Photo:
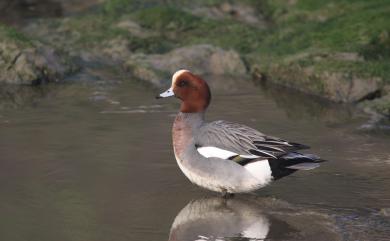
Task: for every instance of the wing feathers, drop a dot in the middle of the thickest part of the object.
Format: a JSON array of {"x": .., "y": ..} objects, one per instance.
[
  {"x": 270, "y": 148},
  {"x": 271, "y": 142},
  {"x": 211, "y": 151},
  {"x": 304, "y": 166},
  {"x": 243, "y": 141},
  {"x": 262, "y": 153}
]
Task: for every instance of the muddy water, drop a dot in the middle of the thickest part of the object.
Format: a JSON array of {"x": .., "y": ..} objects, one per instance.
[{"x": 94, "y": 161}]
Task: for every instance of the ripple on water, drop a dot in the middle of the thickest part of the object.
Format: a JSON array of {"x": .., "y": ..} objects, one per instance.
[
  {"x": 363, "y": 224},
  {"x": 141, "y": 109}
]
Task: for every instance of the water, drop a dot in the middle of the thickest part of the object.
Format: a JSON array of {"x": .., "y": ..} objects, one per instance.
[{"x": 93, "y": 160}]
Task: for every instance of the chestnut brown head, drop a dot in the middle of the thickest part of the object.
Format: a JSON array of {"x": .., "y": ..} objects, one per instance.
[{"x": 192, "y": 90}]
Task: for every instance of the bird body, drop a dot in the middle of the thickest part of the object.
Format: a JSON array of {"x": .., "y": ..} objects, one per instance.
[{"x": 223, "y": 156}]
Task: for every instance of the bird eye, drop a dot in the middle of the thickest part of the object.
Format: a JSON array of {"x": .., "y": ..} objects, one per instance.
[{"x": 182, "y": 83}]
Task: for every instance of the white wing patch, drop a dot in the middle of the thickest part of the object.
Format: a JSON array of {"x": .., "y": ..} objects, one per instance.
[
  {"x": 261, "y": 170},
  {"x": 212, "y": 151}
]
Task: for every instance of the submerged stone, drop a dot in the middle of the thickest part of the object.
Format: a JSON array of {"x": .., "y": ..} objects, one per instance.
[
  {"x": 30, "y": 64},
  {"x": 332, "y": 85}
]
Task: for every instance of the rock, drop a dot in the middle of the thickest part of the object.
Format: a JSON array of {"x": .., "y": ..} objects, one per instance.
[
  {"x": 117, "y": 49},
  {"x": 140, "y": 69},
  {"x": 30, "y": 64},
  {"x": 335, "y": 86},
  {"x": 348, "y": 56},
  {"x": 320, "y": 56},
  {"x": 134, "y": 28},
  {"x": 342, "y": 87},
  {"x": 385, "y": 212},
  {"x": 379, "y": 105},
  {"x": 200, "y": 59},
  {"x": 228, "y": 84},
  {"x": 386, "y": 90},
  {"x": 238, "y": 11}
]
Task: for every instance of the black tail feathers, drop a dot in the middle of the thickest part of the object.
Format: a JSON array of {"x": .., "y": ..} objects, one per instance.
[{"x": 291, "y": 162}]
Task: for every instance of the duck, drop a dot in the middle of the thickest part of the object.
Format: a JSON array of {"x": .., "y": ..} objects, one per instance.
[
  {"x": 210, "y": 217},
  {"x": 223, "y": 156}
]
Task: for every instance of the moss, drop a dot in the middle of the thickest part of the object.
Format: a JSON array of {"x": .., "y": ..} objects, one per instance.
[
  {"x": 347, "y": 31},
  {"x": 383, "y": 107},
  {"x": 227, "y": 34},
  {"x": 166, "y": 18},
  {"x": 128, "y": 6},
  {"x": 313, "y": 28},
  {"x": 11, "y": 34},
  {"x": 365, "y": 69},
  {"x": 114, "y": 6},
  {"x": 94, "y": 29},
  {"x": 299, "y": 32},
  {"x": 380, "y": 105},
  {"x": 295, "y": 76},
  {"x": 181, "y": 27},
  {"x": 378, "y": 48},
  {"x": 150, "y": 45},
  {"x": 118, "y": 7},
  {"x": 329, "y": 24},
  {"x": 174, "y": 28}
]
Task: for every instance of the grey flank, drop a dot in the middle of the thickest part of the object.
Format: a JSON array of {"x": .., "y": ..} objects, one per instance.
[{"x": 213, "y": 173}]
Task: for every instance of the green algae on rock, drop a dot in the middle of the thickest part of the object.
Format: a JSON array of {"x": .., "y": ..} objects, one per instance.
[
  {"x": 202, "y": 59},
  {"x": 27, "y": 62},
  {"x": 338, "y": 50},
  {"x": 334, "y": 49},
  {"x": 379, "y": 105}
]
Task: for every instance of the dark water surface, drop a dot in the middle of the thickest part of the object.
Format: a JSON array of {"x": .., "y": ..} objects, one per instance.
[{"x": 94, "y": 161}]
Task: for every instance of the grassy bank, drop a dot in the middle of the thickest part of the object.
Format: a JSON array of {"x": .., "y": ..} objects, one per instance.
[
  {"x": 339, "y": 50},
  {"x": 313, "y": 33},
  {"x": 308, "y": 32},
  {"x": 12, "y": 35}
]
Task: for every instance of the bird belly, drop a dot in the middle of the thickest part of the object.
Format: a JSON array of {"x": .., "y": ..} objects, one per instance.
[{"x": 220, "y": 183}]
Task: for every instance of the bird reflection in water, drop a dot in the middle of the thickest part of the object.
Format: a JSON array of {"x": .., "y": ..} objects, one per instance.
[{"x": 218, "y": 219}]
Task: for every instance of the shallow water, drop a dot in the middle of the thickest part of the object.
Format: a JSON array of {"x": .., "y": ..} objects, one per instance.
[{"x": 93, "y": 160}]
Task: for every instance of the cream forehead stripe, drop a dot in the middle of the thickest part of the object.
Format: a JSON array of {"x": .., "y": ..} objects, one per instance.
[{"x": 177, "y": 74}]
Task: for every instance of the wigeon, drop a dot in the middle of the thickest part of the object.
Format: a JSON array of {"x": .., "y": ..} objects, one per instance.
[
  {"x": 235, "y": 219},
  {"x": 223, "y": 156}
]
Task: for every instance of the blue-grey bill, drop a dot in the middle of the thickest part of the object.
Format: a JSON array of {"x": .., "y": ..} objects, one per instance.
[{"x": 165, "y": 94}]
